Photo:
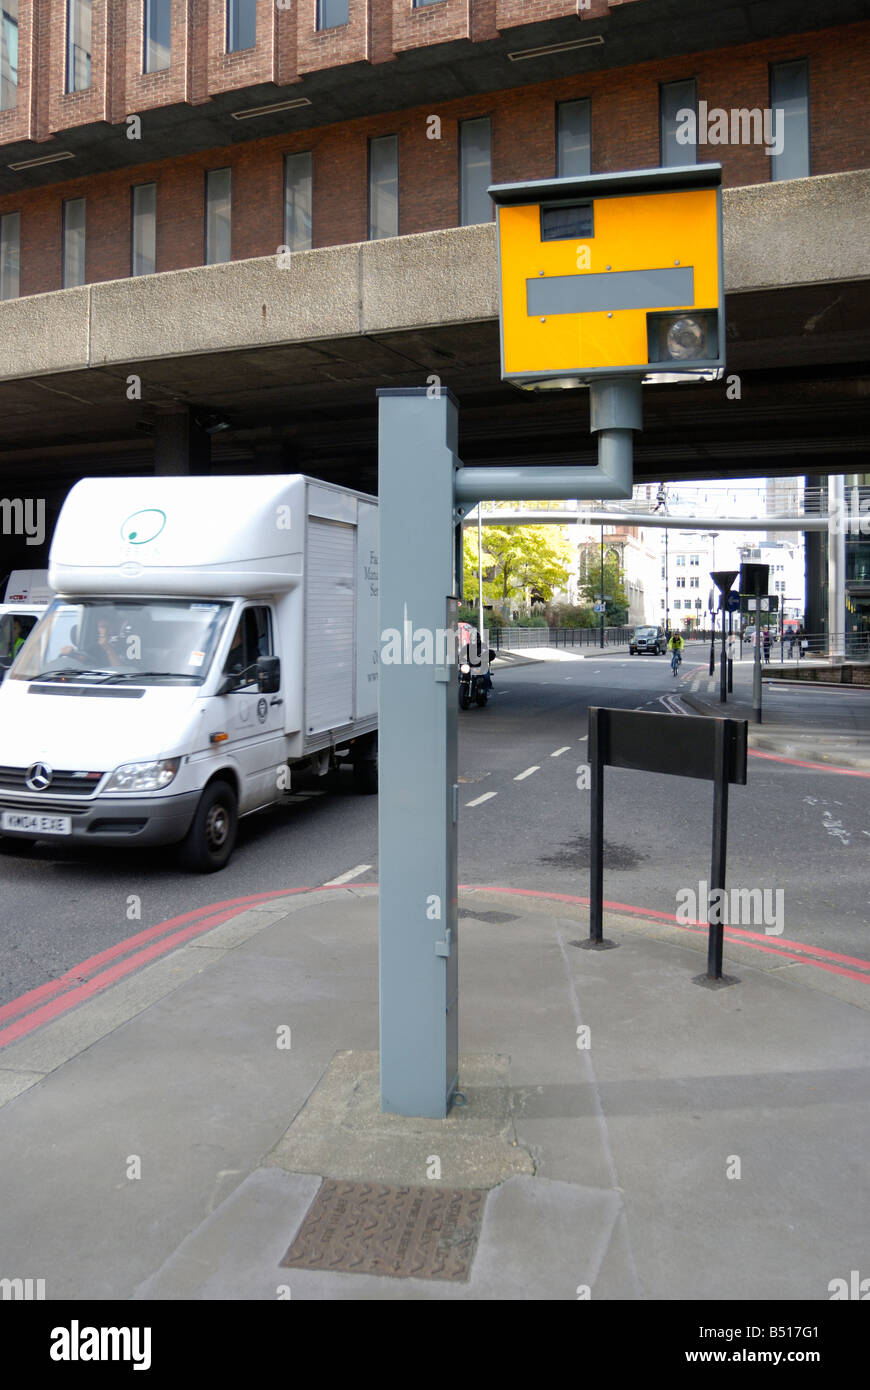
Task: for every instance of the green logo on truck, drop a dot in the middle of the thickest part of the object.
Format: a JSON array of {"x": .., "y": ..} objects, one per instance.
[{"x": 143, "y": 526}]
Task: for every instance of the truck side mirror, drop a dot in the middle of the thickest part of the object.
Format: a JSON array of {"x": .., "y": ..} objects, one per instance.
[{"x": 268, "y": 674}]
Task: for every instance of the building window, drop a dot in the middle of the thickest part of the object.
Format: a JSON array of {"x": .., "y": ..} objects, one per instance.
[
  {"x": 8, "y": 54},
  {"x": 158, "y": 35},
  {"x": 78, "y": 45},
  {"x": 73, "y": 242},
  {"x": 10, "y": 250},
  {"x": 681, "y": 559},
  {"x": 217, "y": 216},
  {"x": 790, "y": 95},
  {"x": 418, "y": 4},
  {"x": 297, "y": 202},
  {"x": 678, "y": 121},
  {"x": 143, "y": 249},
  {"x": 383, "y": 187},
  {"x": 332, "y": 13},
  {"x": 694, "y": 559},
  {"x": 694, "y": 582},
  {"x": 241, "y": 25},
  {"x": 475, "y": 171},
  {"x": 681, "y": 582},
  {"x": 573, "y": 150}
]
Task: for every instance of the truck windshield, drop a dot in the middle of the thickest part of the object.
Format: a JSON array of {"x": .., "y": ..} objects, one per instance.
[{"x": 146, "y": 641}]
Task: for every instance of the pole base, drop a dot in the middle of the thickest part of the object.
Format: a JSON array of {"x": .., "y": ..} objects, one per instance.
[
  {"x": 590, "y": 945},
  {"x": 709, "y": 982}
]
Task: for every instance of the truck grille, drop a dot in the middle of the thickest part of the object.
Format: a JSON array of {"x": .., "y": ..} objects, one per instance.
[{"x": 70, "y": 783}]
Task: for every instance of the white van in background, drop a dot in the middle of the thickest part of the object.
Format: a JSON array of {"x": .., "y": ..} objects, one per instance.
[
  {"x": 209, "y": 636},
  {"x": 28, "y": 594}
]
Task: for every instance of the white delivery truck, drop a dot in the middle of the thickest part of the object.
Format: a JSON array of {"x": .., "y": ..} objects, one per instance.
[
  {"x": 28, "y": 594},
  {"x": 209, "y": 636}
]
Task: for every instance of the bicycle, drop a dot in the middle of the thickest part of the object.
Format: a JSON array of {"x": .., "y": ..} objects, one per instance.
[{"x": 675, "y": 661}]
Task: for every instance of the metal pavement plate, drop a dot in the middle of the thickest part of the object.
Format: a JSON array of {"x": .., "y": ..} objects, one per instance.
[{"x": 405, "y": 1232}]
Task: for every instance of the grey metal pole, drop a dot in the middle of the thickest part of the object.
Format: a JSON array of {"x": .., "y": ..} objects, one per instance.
[
  {"x": 723, "y": 668},
  {"x": 601, "y": 595},
  {"x": 480, "y": 623},
  {"x": 837, "y": 567},
  {"x": 418, "y": 801}
]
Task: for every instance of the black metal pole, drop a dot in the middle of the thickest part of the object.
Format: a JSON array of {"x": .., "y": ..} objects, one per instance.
[
  {"x": 720, "y": 849},
  {"x": 596, "y": 830},
  {"x": 730, "y": 658},
  {"x": 723, "y": 671},
  {"x": 712, "y": 642},
  {"x": 756, "y": 669}
]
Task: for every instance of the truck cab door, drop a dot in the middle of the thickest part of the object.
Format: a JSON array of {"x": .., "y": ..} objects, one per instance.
[{"x": 254, "y": 722}]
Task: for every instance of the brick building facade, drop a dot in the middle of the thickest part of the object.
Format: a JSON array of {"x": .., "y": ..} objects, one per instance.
[{"x": 624, "y": 119}]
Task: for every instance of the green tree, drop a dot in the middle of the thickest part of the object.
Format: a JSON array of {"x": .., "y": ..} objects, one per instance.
[
  {"x": 616, "y": 612},
  {"x": 516, "y": 558}
]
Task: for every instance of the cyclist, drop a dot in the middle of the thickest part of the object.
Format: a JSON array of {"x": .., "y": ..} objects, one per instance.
[{"x": 675, "y": 647}]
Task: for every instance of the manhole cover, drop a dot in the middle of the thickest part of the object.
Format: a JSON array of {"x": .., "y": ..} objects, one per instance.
[
  {"x": 494, "y": 917},
  {"x": 406, "y": 1232}
]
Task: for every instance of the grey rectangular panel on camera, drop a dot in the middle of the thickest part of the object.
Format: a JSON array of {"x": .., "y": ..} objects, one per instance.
[{"x": 621, "y": 289}]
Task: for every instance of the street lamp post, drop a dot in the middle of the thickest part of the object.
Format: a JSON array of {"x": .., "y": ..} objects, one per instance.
[{"x": 480, "y": 572}]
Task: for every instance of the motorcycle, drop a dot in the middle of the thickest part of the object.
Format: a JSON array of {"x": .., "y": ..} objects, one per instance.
[{"x": 475, "y": 682}]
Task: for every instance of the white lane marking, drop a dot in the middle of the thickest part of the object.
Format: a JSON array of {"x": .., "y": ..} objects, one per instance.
[
  {"x": 583, "y": 739},
  {"x": 478, "y": 799},
  {"x": 559, "y": 751},
  {"x": 528, "y": 772},
  {"x": 673, "y": 704},
  {"x": 345, "y": 878}
]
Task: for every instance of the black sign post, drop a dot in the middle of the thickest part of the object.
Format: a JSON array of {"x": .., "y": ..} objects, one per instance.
[
  {"x": 678, "y": 745},
  {"x": 732, "y": 604},
  {"x": 753, "y": 582},
  {"x": 723, "y": 579}
]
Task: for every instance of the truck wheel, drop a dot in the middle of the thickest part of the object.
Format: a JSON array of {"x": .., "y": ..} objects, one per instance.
[
  {"x": 209, "y": 842},
  {"x": 365, "y": 776}
]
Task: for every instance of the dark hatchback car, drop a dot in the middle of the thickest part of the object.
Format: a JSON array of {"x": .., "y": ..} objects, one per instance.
[{"x": 648, "y": 639}]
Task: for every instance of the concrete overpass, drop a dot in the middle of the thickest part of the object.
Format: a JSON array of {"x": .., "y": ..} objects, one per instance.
[{"x": 247, "y": 366}]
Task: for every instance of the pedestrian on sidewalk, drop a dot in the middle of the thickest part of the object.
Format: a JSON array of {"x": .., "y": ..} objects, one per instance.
[{"x": 766, "y": 641}]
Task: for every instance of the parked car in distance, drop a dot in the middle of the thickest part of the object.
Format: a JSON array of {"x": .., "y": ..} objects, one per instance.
[{"x": 648, "y": 639}]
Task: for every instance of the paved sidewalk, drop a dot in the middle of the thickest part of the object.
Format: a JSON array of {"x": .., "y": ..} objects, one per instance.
[
  {"x": 530, "y": 656},
  {"x": 824, "y": 724},
  {"x": 705, "y": 1144}
]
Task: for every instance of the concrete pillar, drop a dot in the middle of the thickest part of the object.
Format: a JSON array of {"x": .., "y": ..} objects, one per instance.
[{"x": 181, "y": 445}]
